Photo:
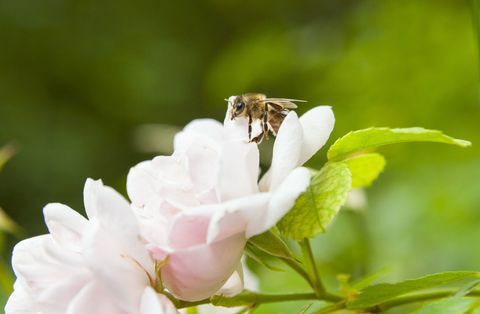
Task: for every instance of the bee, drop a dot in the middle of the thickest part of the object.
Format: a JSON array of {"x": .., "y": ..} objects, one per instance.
[{"x": 270, "y": 111}]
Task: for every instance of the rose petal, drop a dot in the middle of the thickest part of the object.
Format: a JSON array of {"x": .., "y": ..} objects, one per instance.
[
  {"x": 238, "y": 170},
  {"x": 154, "y": 303},
  {"x": 209, "y": 128},
  {"x": 65, "y": 225},
  {"x": 238, "y": 216},
  {"x": 317, "y": 124},
  {"x": 234, "y": 284},
  {"x": 190, "y": 227},
  {"x": 141, "y": 183},
  {"x": 282, "y": 200},
  {"x": 93, "y": 299},
  {"x": 198, "y": 272},
  {"x": 117, "y": 219},
  {"x": 286, "y": 150},
  {"x": 109, "y": 257}
]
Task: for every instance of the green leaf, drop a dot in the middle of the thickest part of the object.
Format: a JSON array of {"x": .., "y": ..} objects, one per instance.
[
  {"x": 319, "y": 204},
  {"x": 369, "y": 279},
  {"x": 365, "y": 168},
  {"x": 271, "y": 244},
  {"x": 250, "y": 252},
  {"x": 377, "y": 294},
  {"x": 373, "y": 137},
  {"x": 447, "y": 306}
]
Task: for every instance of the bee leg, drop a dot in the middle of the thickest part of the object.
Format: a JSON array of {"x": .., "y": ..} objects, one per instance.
[
  {"x": 258, "y": 139},
  {"x": 265, "y": 122},
  {"x": 249, "y": 127}
]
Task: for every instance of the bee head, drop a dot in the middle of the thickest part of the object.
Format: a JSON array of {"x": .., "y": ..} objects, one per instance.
[{"x": 237, "y": 106}]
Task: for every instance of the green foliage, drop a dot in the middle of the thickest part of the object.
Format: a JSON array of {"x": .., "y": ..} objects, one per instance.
[
  {"x": 271, "y": 244},
  {"x": 380, "y": 293},
  {"x": 318, "y": 205},
  {"x": 365, "y": 168},
  {"x": 255, "y": 256},
  {"x": 360, "y": 140},
  {"x": 447, "y": 306}
]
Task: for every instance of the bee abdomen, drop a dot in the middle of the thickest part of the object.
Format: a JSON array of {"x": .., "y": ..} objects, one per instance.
[{"x": 275, "y": 119}]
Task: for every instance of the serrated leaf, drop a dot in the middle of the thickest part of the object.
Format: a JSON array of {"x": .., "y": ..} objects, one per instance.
[
  {"x": 319, "y": 204},
  {"x": 271, "y": 244},
  {"x": 365, "y": 168},
  {"x": 380, "y": 293},
  {"x": 447, "y": 306},
  {"x": 373, "y": 137}
]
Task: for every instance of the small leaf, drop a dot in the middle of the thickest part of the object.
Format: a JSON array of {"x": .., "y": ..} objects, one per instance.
[
  {"x": 250, "y": 252},
  {"x": 369, "y": 279},
  {"x": 318, "y": 205},
  {"x": 447, "y": 306},
  {"x": 365, "y": 168},
  {"x": 271, "y": 244},
  {"x": 373, "y": 137},
  {"x": 377, "y": 294}
]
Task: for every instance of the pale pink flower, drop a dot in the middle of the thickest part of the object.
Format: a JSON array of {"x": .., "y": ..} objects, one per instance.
[
  {"x": 98, "y": 265},
  {"x": 199, "y": 206}
]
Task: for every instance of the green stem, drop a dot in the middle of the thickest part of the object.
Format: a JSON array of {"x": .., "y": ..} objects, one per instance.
[
  {"x": 309, "y": 260},
  {"x": 331, "y": 308},
  {"x": 249, "y": 299},
  {"x": 299, "y": 269}
]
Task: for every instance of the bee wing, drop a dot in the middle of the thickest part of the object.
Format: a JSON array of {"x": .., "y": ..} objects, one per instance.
[{"x": 284, "y": 102}]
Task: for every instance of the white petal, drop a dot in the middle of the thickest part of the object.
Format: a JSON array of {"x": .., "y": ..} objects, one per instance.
[
  {"x": 317, "y": 125},
  {"x": 93, "y": 299},
  {"x": 234, "y": 284},
  {"x": 190, "y": 227},
  {"x": 282, "y": 200},
  {"x": 141, "y": 183},
  {"x": 110, "y": 258},
  {"x": 65, "y": 225},
  {"x": 239, "y": 170},
  {"x": 196, "y": 273},
  {"x": 117, "y": 219},
  {"x": 286, "y": 150},
  {"x": 239, "y": 216},
  {"x": 207, "y": 127},
  {"x": 154, "y": 303},
  {"x": 21, "y": 302}
]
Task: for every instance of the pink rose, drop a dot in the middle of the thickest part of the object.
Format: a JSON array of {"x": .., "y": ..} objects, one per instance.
[
  {"x": 99, "y": 265},
  {"x": 199, "y": 206}
]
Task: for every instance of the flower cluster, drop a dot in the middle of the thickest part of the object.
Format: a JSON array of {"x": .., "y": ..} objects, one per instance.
[{"x": 184, "y": 232}]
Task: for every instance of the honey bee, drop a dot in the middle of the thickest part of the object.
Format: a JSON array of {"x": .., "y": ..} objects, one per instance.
[{"x": 270, "y": 111}]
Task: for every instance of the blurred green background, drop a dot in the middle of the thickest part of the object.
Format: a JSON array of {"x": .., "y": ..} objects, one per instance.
[{"x": 78, "y": 79}]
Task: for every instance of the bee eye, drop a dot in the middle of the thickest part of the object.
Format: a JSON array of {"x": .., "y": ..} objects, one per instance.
[{"x": 240, "y": 105}]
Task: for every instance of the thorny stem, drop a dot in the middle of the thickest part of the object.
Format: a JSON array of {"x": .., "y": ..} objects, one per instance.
[{"x": 309, "y": 260}]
